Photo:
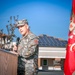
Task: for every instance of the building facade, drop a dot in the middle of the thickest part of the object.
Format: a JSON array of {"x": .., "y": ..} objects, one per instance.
[{"x": 51, "y": 53}]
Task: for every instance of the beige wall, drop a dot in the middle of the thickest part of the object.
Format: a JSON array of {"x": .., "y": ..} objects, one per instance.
[{"x": 50, "y": 62}]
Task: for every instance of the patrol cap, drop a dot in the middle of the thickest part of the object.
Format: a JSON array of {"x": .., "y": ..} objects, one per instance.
[{"x": 21, "y": 22}]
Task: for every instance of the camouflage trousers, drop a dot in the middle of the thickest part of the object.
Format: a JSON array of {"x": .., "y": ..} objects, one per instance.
[
  {"x": 29, "y": 70},
  {"x": 26, "y": 68}
]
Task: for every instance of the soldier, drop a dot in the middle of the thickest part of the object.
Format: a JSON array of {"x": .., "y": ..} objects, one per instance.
[{"x": 27, "y": 50}]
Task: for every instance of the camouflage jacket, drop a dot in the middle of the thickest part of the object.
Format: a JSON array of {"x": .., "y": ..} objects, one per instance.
[{"x": 27, "y": 47}]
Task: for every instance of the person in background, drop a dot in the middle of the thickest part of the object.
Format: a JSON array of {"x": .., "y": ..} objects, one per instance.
[{"x": 27, "y": 50}]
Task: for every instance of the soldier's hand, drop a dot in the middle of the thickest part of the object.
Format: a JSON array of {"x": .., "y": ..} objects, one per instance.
[{"x": 15, "y": 48}]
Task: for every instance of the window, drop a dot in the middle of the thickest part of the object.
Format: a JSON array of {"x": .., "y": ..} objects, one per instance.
[{"x": 45, "y": 62}]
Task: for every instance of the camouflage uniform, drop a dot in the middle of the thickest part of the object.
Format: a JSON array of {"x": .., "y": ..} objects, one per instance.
[{"x": 28, "y": 54}]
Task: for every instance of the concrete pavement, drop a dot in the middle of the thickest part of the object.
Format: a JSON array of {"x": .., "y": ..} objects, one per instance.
[{"x": 50, "y": 73}]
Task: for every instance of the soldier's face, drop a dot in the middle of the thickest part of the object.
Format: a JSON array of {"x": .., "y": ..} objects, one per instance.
[{"x": 23, "y": 29}]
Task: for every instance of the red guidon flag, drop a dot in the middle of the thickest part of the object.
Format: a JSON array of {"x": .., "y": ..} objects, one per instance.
[{"x": 69, "y": 64}]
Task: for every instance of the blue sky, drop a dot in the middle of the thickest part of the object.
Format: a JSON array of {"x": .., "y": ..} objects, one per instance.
[{"x": 50, "y": 17}]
